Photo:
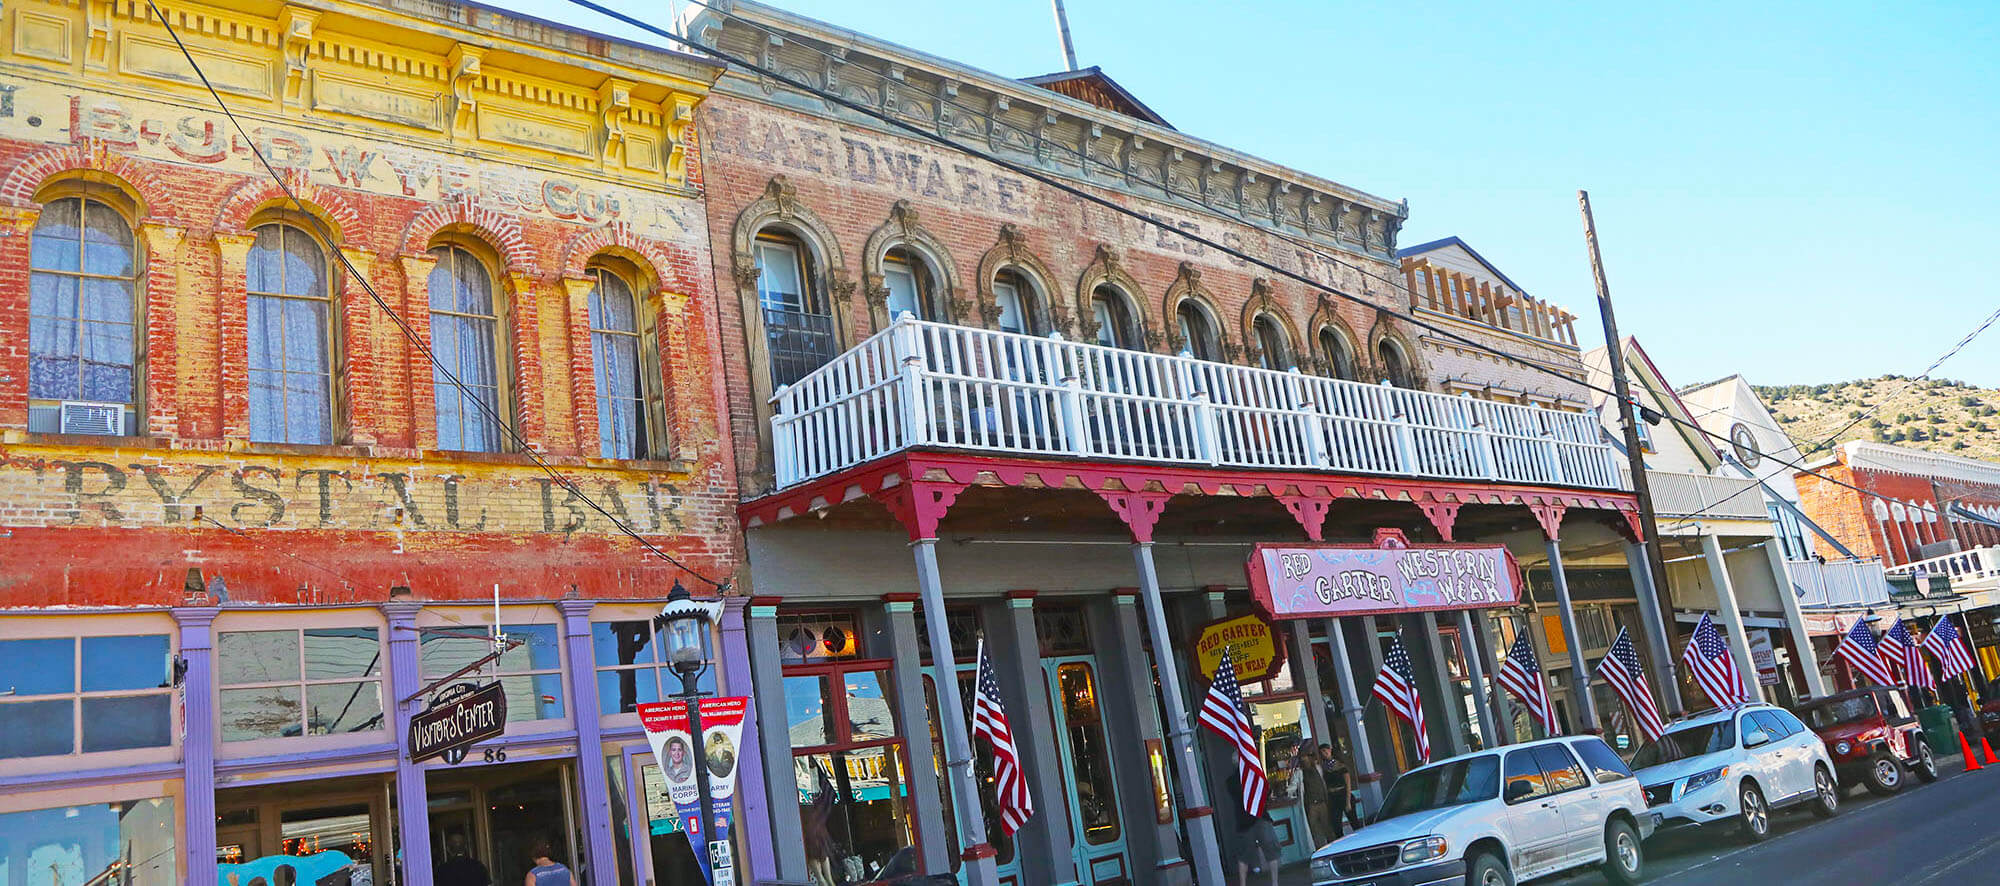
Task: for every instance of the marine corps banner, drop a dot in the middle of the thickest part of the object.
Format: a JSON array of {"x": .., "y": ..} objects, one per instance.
[{"x": 671, "y": 737}]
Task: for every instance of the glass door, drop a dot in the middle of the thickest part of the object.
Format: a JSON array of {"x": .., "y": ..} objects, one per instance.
[
  {"x": 1088, "y": 780},
  {"x": 1006, "y": 862}
]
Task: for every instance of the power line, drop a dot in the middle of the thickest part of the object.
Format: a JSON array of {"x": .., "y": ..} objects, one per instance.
[
  {"x": 409, "y": 333},
  {"x": 1049, "y": 180}
]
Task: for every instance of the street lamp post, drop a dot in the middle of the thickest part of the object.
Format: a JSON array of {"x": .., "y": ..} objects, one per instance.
[{"x": 686, "y": 621}]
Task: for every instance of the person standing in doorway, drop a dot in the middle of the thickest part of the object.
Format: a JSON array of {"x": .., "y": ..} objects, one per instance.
[
  {"x": 1319, "y": 814},
  {"x": 1339, "y": 789},
  {"x": 459, "y": 868},
  {"x": 547, "y": 871}
]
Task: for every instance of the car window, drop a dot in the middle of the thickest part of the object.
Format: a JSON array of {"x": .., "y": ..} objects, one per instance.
[
  {"x": 1524, "y": 778},
  {"x": 1792, "y": 723},
  {"x": 1601, "y": 760},
  {"x": 1560, "y": 766},
  {"x": 1773, "y": 726},
  {"x": 1895, "y": 709},
  {"x": 1689, "y": 741},
  {"x": 1447, "y": 784},
  {"x": 1846, "y": 710}
]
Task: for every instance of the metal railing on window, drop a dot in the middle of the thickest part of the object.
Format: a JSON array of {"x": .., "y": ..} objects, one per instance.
[
  {"x": 799, "y": 342},
  {"x": 923, "y": 384}
]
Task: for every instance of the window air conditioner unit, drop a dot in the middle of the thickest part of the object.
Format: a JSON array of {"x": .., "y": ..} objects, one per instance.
[{"x": 102, "y": 419}]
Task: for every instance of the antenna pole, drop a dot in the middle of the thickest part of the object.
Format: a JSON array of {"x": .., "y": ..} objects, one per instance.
[{"x": 1062, "y": 33}]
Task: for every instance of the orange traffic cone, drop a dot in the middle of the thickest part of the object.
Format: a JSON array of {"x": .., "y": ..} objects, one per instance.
[
  {"x": 1986, "y": 747},
  {"x": 1965, "y": 747}
]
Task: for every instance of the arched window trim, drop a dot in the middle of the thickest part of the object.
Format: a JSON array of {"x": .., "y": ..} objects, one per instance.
[
  {"x": 1212, "y": 347},
  {"x": 1046, "y": 312},
  {"x": 1121, "y": 302},
  {"x": 1387, "y": 345},
  {"x": 655, "y": 439},
  {"x": 1287, "y": 352},
  {"x": 1331, "y": 363},
  {"x": 932, "y": 296},
  {"x": 503, "y": 357},
  {"x": 1031, "y": 296},
  {"x": 904, "y": 231},
  {"x": 122, "y": 200},
  {"x": 337, "y": 430}
]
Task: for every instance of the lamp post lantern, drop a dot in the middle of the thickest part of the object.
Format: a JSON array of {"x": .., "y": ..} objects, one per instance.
[{"x": 686, "y": 622}]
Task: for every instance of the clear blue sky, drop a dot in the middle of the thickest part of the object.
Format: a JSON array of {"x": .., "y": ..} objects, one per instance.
[{"x": 1797, "y": 192}]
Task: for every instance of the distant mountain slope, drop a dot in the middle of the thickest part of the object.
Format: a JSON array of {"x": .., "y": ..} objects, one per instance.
[{"x": 1939, "y": 415}]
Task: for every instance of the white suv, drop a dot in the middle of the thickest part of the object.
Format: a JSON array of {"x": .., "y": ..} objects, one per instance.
[
  {"x": 1736, "y": 765},
  {"x": 1491, "y": 817}
]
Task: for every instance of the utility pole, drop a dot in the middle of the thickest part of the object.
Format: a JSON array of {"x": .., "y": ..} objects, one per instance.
[
  {"x": 1649, "y": 523},
  {"x": 1062, "y": 33}
]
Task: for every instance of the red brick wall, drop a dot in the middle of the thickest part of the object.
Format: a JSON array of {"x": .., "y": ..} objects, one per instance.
[
  {"x": 1849, "y": 515},
  {"x": 108, "y": 521},
  {"x": 851, "y": 177}
]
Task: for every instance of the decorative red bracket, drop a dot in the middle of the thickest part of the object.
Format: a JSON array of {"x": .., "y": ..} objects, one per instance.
[
  {"x": 1550, "y": 515},
  {"x": 1140, "y": 510},
  {"x": 1442, "y": 514},
  {"x": 1631, "y": 528},
  {"x": 920, "y": 506},
  {"x": 1310, "y": 512}
]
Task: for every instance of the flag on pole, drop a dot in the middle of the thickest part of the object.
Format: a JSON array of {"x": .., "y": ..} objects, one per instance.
[
  {"x": 1902, "y": 651},
  {"x": 1862, "y": 652},
  {"x": 1521, "y": 675},
  {"x": 1622, "y": 670},
  {"x": 989, "y": 721},
  {"x": 1396, "y": 686},
  {"x": 1943, "y": 641},
  {"x": 1707, "y": 656},
  {"x": 1222, "y": 712}
]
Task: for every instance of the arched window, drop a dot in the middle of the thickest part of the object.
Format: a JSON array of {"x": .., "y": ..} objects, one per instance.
[
  {"x": 1113, "y": 315},
  {"x": 465, "y": 337},
  {"x": 82, "y": 320},
  {"x": 1395, "y": 365},
  {"x": 912, "y": 287},
  {"x": 798, "y": 324},
  {"x": 1014, "y": 296},
  {"x": 628, "y": 389},
  {"x": 1338, "y": 356},
  {"x": 290, "y": 309},
  {"x": 1197, "y": 332},
  {"x": 1274, "y": 349}
]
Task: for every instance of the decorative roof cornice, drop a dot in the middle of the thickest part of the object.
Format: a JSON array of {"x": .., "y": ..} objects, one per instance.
[
  {"x": 1864, "y": 455},
  {"x": 1035, "y": 126}
]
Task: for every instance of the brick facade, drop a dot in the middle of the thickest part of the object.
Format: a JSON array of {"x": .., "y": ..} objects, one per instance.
[
  {"x": 1893, "y": 530},
  {"x": 527, "y": 162}
]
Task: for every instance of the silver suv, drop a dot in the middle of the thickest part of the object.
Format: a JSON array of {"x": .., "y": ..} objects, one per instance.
[{"x": 1490, "y": 818}]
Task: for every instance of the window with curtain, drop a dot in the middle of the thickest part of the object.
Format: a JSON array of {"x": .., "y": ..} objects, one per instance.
[
  {"x": 289, "y": 337},
  {"x": 623, "y": 387},
  {"x": 82, "y": 316},
  {"x": 465, "y": 338},
  {"x": 798, "y": 327},
  {"x": 910, "y": 283}
]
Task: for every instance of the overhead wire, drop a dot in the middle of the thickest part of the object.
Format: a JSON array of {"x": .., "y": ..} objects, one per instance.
[
  {"x": 416, "y": 340},
  {"x": 1080, "y": 193}
]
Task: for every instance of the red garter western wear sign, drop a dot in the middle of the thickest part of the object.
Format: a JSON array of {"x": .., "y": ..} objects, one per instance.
[{"x": 1392, "y": 575}]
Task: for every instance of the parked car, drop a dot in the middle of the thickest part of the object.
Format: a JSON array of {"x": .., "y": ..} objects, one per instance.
[
  {"x": 1737, "y": 765},
  {"x": 1490, "y": 818},
  {"x": 1873, "y": 737}
]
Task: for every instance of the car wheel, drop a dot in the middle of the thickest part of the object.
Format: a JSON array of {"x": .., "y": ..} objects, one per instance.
[
  {"x": 1753, "y": 815},
  {"x": 1486, "y": 869},
  {"x": 1884, "y": 776},
  {"x": 1826, "y": 792},
  {"x": 1623, "y": 858},
  {"x": 1926, "y": 767}
]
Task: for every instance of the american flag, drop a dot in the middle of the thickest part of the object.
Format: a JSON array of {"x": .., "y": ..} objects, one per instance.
[
  {"x": 1707, "y": 656},
  {"x": 1943, "y": 641},
  {"x": 1521, "y": 675},
  {"x": 1902, "y": 651},
  {"x": 1396, "y": 686},
  {"x": 1862, "y": 652},
  {"x": 1222, "y": 711},
  {"x": 989, "y": 721},
  {"x": 1621, "y": 669}
]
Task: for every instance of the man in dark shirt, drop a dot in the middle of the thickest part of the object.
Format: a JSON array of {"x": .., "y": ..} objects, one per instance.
[{"x": 459, "y": 868}]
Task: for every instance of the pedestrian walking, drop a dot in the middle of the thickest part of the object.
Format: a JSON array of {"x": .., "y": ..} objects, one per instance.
[
  {"x": 547, "y": 871},
  {"x": 1339, "y": 778},
  {"x": 1256, "y": 848}
]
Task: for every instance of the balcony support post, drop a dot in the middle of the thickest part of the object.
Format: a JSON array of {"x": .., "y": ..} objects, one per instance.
[
  {"x": 977, "y": 856},
  {"x": 1802, "y": 646},
  {"x": 1655, "y": 628},
  {"x": 1472, "y": 644},
  {"x": 1195, "y": 811},
  {"x": 1732, "y": 618},
  {"x": 1579, "y": 676}
]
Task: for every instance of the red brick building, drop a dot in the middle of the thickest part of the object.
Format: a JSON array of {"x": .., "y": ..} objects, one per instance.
[{"x": 1925, "y": 494}]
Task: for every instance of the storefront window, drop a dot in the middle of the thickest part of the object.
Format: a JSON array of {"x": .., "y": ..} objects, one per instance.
[
  {"x": 1089, "y": 757},
  {"x": 982, "y": 770},
  {"x": 327, "y": 841},
  {"x": 315, "y": 681},
  {"x": 848, "y": 766},
  {"x": 1281, "y": 726},
  {"x": 632, "y": 669},
  {"x": 59, "y": 695},
  {"x": 129, "y": 844},
  {"x": 813, "y": 639},
  {"x": 530, "y": 673}
]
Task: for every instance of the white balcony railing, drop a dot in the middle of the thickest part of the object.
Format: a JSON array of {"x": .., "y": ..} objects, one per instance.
[
  {"x": 1979, "y": 564},
  {"x": 1839, "y": 582},
  {"x": 921, "y": 384},
  {"x": 1685, "y": 495}
]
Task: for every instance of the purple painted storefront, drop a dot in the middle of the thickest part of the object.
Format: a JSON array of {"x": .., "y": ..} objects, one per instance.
[{"x": 280, "y": 756}]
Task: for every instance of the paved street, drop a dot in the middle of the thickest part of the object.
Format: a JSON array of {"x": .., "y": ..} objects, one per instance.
[{"x": 1928, "y": 834}]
